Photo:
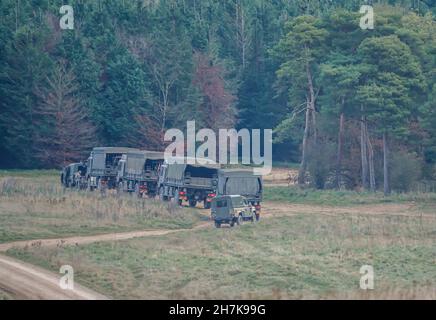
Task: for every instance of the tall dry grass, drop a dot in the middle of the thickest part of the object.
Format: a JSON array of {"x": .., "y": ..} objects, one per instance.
[{"x": 41, "y": 206}]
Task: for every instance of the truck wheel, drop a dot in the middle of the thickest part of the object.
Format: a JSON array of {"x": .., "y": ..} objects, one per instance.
[
  {"x": 120, "y": 188},
  {"x": 102, "y": 188},
  {"x": 177, "y": 199},
  {"x": 192, "y": 203},
  {"x": 239, "y": 220},
  {"x": 138, "y": 194},
  {"x": 207, "y": 205},
  {"x": 217, "y": 224},
  {"x": 161, "y": 194},
  {"x": 89, "y": 188}
]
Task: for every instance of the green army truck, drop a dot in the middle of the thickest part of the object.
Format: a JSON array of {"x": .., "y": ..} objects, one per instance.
[
  {"x": 138, "y": 172},
  {"x": 193, "y": 183},
  {"x": 242, "y": 182},
  {"x": 102, "y": 167}
]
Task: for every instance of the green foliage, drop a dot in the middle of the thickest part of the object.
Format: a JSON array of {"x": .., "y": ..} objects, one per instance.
[
  {"x": 138, "y": 60},
  {"x": 406, "y": 171}
]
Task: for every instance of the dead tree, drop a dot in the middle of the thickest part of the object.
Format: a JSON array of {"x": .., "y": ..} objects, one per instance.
[{"x": 64, "y": 132}]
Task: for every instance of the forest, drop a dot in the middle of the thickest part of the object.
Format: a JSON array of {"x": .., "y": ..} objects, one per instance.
[{"x": 354, "y": 108}]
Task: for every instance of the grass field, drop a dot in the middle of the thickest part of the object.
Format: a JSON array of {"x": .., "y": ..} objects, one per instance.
[
  {"x": 301, "y": 254},
  {"x": 34, "y": 206},
  {"x": 344, "y": 198},
  {"x": 4, "y": 295},
  {"x": 306, "y": 256}
]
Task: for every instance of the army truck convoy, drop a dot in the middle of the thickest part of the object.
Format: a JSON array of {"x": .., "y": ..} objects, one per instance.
[{"x": 146, "y": 173}]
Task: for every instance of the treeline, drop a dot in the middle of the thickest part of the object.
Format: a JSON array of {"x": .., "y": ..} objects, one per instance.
[{"x": 337, "y": 96}]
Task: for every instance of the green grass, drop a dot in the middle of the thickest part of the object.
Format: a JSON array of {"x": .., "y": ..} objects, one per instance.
[
  {"x": 306, "y": 256},
  {"x": 4, "y": 295},
  {"x": 38, "y": 207},
  {"x": 342, "y": 198},
  {"x": 30, "y": 173},
  {"x": 287, "y": 165}
]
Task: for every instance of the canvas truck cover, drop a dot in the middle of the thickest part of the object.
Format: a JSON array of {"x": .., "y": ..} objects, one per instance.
[
  {"x": 240, "y": 182},
  {"x": 135, "y": 161},
  {"x": 178, "y": 171},
  {"x": 99, "y": 157}
]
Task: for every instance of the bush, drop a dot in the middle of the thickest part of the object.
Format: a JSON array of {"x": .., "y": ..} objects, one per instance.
[
  {"x": 321, "y": 162},
  {"x": 406, "y": 170}
]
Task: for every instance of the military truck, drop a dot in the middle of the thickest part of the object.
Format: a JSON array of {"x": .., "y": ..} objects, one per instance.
[
  {"x": 242, "y": 182},
  {"x": 138, "y": 172},
  {"x": 74, "y": 175},
  {"x": 232, "y": 210},
  {"x": 102, "y": 167},
  {"x": 188, "y": 182}
]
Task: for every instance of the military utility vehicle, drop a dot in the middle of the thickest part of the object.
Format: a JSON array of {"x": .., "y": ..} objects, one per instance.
[{"x": 232, "y": 210}]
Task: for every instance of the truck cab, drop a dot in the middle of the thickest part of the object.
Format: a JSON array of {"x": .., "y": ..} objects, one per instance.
[{"x": 73, "y": 175}]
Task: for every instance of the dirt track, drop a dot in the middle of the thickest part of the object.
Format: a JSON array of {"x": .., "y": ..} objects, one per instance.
[
  {"x": 75, "y": 241},
  {"x": 24, "y": 281}
]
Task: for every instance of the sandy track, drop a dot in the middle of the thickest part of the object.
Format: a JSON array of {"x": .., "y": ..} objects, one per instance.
[
  {"x": 75, "y": 241},
  {"x": 23, "y": 281}
]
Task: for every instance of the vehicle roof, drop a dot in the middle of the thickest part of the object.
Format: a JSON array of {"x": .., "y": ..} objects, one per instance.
[
  {"x": 115, "y": 149},
  {"x": 153, "y": 155},
  {"x": 238, "y": 171},
  {"x": 184, "y": 160},
  {"x": 75, "y": 164}
]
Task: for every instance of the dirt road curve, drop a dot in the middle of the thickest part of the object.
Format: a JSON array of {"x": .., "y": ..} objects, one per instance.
[
  {"x": 75, "y": 241},
  {"x": 24, "y": 281}
]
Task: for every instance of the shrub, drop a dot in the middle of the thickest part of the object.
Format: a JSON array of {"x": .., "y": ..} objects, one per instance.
[{"x": 406, "y": 170}]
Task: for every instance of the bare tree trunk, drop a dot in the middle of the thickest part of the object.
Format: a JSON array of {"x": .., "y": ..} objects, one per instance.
[
  {"x": 303, "y": 165},
  {"x": 339, "y": 154},
  {"x": 364, "y": 153},
  {"x": 309, "y": 126},
  {"x": 312, "y": 99},
  {"x": 386, "y": 186},
  {"x": 372, "y": 185}
]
